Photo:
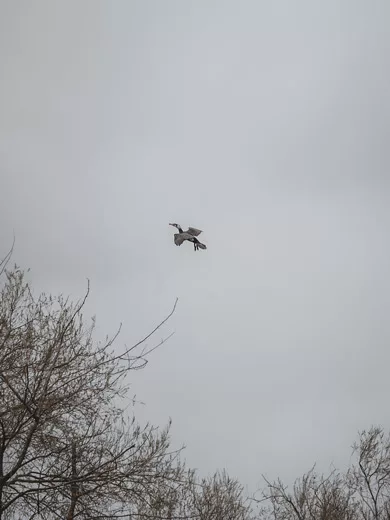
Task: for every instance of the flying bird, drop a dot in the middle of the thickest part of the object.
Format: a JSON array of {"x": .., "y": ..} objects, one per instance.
[{"x": 189, "y": 235}]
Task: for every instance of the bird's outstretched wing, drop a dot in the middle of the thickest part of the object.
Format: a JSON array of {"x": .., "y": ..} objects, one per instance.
[
  {"x": 178, "y": 238},
  {"x": 193, "y": 231}
]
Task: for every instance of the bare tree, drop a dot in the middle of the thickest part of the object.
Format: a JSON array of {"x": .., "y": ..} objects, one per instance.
[
  {"x": 216, "y": 498},
  {"x": 369, "y": 478},
  {"x": 362, "y": 493},
  {"x": 313, "y": 497},
  {"x": 219, "y": 498},
  {"x": 67, "y": 448},
  {"x": 169, "y": 499}
]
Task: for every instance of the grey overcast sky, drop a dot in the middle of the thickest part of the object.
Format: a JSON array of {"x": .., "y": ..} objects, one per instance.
[{"x": 267, "y": 125}]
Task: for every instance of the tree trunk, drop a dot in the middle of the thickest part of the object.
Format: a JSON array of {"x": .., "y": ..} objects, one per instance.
[{"x": 73, "y": 485}]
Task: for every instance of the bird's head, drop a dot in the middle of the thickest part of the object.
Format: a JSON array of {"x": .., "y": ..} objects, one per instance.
[{"x": 175, "y": 225}]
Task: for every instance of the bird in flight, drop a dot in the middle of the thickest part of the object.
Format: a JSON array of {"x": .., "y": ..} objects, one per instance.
[{"x": 189, "y": 235}]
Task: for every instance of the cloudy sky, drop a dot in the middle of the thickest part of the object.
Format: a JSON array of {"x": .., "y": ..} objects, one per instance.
[{"x": 265, "y": 124}]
